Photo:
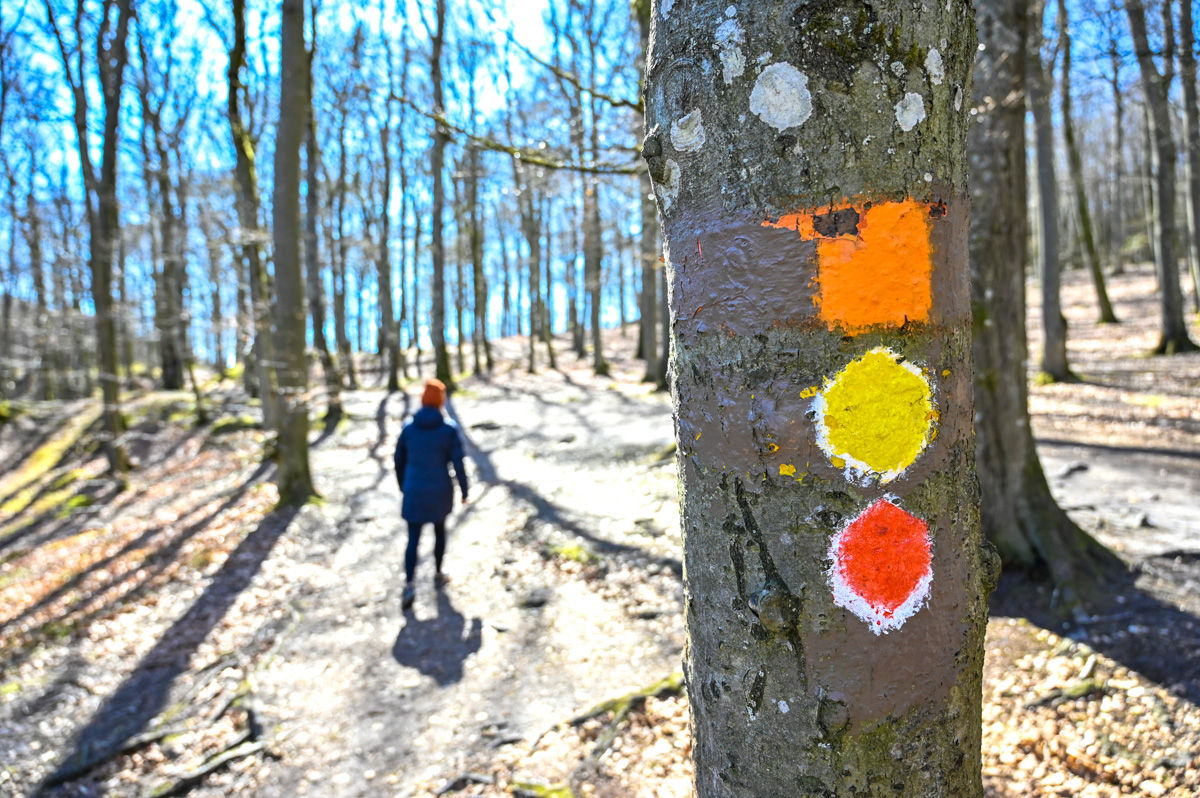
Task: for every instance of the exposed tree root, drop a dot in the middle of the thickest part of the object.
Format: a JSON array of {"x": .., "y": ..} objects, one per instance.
[
  {"x": 622, "y": 706},
  {"x": 236, "y": 750}
]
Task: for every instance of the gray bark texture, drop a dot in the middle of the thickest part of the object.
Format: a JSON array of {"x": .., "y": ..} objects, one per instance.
[
  {"x": 294, "y": 475},
  {"x": 755, "y": 112},
  {"x": 1019, "y": 514}
]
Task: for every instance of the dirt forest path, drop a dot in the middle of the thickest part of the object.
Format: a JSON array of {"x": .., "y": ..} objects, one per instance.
[
  {"x": 565, "y": 586},
  {"x": 181, "y": 634}
]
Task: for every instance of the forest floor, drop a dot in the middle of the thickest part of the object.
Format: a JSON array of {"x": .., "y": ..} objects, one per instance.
[{"x": 183, "y": 635}]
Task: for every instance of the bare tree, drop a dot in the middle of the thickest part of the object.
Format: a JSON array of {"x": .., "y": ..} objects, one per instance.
[
  {"x": 1053, "y": 363},
  {"x": 294, "y": 477},
  {"x": 111, "y": 57},
  {"x": 1173, "y": 337},
  {"x": 1075, "y": 167}
]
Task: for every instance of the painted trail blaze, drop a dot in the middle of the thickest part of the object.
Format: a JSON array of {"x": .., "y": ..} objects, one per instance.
[
  {"x": 876, "y": 415},
  {"x": 874, "y": 266},
  {"x": 882, "y": 566}
]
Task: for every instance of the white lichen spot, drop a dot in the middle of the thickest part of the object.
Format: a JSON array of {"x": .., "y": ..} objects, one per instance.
[
  {"x": 933, "y": 65},
  {"x": 928, "y": 177},
  {"x": 910, "y": 111},
  {"x": 668, "y": 189},
  {"x": 730, "y": 38},
  {"x": 780, "y": 97},
  {"x": 731, "y": 12},
  {"x": 783, "y": 706},
  {"x": 687, "y": 134},
  {"x": 665, "y": 6},
  {"x": 958, "y": 99},
  {"x": 765, "y": 57},
  {"x": 898, "y": 69}
]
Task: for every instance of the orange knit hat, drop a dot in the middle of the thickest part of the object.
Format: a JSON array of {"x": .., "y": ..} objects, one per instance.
[{"x": 435, "y": 394}]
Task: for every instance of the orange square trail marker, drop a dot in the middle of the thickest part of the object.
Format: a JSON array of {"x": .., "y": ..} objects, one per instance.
[{"x": 874, "y": 265}]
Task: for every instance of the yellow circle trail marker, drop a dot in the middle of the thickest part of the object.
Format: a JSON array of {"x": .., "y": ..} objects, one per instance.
[{"x": 876, "y": 415}]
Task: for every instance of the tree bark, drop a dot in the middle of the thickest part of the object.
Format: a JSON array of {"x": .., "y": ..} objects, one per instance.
[
  {"x": 249, "y": 234},
  {"x": 1117, "y": 255},
  {"x": 1173, "y": 337},
  {"x": 316, "y": 288},
  {"x": 437, "y": 165},
  {"x": 340, "y": 331},
  {"x": 649, "y": 244},
  {"x": 1187, "y": 76},
  {"x": 1075, "y": 165},
  {"x": 294, "y": 477},
  {"x": 1053, "y": 364},
  {"x": 784, "y": 210},
  {"x": 389, "y": 338},
  {"x": 1019, "y": 515}
]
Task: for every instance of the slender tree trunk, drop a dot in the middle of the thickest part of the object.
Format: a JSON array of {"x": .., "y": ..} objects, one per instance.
[
  {"x": 340, "y": 329},
  {"x": 294, "y": 477},
  {"x": 316, "y": 289},
  {"x": 1020, "y": 515},
  {"x": 506, "y": 298},
  {"x": 803, "y": 678},
  {"x": 437, "y": 165},
  {"x": 545, "y": 301},
  {"x": 649, "y": 253},
  {"x": 592, "y": 256},
  {"x": 461, "y": 233},
  {"x": 416, "y": 292},
  {"x": 1053, "y": 365},
  {"x": 1174, "y": 334},
  {"x": 1075, "y": 165},
  {"x": 1187, "y": 76},
  {"x": 101, "y": 196},
  {"x": 388, "y": 337},
  {"x": 1118, "y": 254},
  {"x": 246, "y": 174},
  {"x": 574, "y": 317}
]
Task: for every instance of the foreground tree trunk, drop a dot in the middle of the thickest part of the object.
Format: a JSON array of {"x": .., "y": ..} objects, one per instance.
[
  {"x": 294, "y": 477},
  {"x": 836, "y": 575},
  {"x": 1075, "y": 164},
  {"x": 1020, "y": 515},
  {"x": 1173, "y": 338},
  {"x": 1053, "y": 365}
]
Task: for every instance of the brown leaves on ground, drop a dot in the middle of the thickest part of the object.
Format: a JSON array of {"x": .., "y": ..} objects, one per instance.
[{"x": 1059, "y": 719}]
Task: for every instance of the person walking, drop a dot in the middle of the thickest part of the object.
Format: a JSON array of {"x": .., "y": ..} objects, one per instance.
[{"x": 427, "y": 445}]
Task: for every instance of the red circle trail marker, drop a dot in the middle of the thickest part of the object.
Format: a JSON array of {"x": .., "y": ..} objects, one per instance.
[{"x": 882, "y": 566}]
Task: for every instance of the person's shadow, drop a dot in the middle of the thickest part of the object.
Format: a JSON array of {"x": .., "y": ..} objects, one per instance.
[{"x": 438, "y": 646}]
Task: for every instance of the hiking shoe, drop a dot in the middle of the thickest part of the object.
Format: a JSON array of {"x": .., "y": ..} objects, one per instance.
[
  {"x": 406, "y": 598},
  {"x": 440, "y": 580}
]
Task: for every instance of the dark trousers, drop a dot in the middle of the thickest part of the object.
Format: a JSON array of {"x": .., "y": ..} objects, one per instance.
[{"x": 414, "y": 540}]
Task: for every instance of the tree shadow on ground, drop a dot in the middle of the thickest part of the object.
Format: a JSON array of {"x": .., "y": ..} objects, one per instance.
[
  {"x": 551, "y": 512},
  {"x": 144, "y": 694},
  {"x": 438, "y": 646},
  {"x": 164, "y": 548},
  {"x": 1137, "y": 629}
]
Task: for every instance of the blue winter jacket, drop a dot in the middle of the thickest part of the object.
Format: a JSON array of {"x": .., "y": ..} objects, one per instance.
[{"x": 426, "y": 446}]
